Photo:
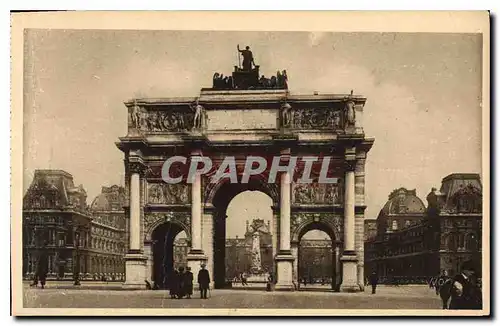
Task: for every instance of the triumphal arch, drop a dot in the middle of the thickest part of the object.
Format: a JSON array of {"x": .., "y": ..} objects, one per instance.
[{"x": 244, "y": 115}]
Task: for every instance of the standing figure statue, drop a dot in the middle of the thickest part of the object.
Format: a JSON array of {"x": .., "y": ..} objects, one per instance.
[
  {"x": 286, "y": 114},
  {"x": 247, "y": 58},
  {"x": 350, "y": 113},
  {"x": 285, "y": 79},
  {"x": 135, "y": 116},
  {"x": 198, "y": 115}
]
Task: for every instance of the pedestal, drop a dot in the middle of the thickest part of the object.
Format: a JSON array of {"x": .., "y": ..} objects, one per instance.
[
  {"x": 284, "y": 263},
  {"x": 194, "y": 261},
  {"x": 349, "y": 273},
  {"x": 135, "y": 271}
]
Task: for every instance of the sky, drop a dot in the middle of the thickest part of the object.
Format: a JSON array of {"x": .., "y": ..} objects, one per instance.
[{"x": 423, "y": 96}]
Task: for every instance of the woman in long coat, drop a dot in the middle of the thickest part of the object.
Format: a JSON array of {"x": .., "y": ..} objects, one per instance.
[
  {"x": 188, "y": 282},
  {"x": 181, "y": 288},
  {"x": 173, "y": 283}
]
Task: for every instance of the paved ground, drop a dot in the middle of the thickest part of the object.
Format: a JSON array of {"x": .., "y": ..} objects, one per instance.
[{"x": 96, "y": 296}]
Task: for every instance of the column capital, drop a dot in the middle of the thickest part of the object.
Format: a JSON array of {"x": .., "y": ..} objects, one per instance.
[
  {"x": 137, "y": 166},
  {"x": 350, "y": 165}
]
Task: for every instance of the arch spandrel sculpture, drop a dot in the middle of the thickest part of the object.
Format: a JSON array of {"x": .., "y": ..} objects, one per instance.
[{"x": 222, "y": 121}]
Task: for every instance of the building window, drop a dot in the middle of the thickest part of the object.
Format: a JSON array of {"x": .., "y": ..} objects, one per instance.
[
  {"x": 51, "y": 263},
  {"x": 452, "y": 242},
  {"x": 470, "y": 242},
  {"x": 407, "y": 223},
  {"x": 394, "y": 225},
  {"x": 61, "y": 240}
]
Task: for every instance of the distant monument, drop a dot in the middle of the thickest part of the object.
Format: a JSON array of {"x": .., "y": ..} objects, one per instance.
[
  {"x": 246, "y": 75},
  {"x": 256, "y": 258},
  {"x": 255, "y": 230}
]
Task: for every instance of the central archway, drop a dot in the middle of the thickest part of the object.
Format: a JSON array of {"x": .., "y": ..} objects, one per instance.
[{"x": 221, "y": 196}]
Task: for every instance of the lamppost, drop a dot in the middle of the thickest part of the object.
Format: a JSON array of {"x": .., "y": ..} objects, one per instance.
[{"x": 77, "y": 265}]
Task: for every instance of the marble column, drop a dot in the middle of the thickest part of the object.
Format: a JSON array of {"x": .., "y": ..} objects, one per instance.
[
  {"x": 208, "y": 242},
  {"x": 359, "y": 177},
  {"x": 135, "y": 261},
  {"x": 196, "y": 256},
  {"x": 284, "y": 259},
  {"x": 349, "y": 259},
  {"x": 135, "y": 212}
]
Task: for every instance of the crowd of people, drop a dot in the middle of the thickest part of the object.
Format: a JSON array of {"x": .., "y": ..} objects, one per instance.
[
  {"x": 462, "y": 291},
  {"x": 180, "y": 283}
]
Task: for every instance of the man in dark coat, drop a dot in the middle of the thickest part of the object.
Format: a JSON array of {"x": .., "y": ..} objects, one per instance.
[
  {"x": 203, "y": 281},
  {"x": 465, "y": 292},
  {"x": 188, "y": 282},
  {"x": 374, "y": 281}
]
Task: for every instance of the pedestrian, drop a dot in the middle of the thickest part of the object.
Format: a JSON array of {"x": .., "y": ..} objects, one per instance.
[
  {"x": 465, "y": 292},
  {"x": 203, "y": 281},
  {"x": 270, "y": 283},
  {"x": 173, "y": 281},
  {"x": 188, "y": 282},
  {"x": 374, "y": 281},
  {"x": 42, "y": 269},
  {"x": 181, "y": 287},
  {"x": 244, "y": 279}
]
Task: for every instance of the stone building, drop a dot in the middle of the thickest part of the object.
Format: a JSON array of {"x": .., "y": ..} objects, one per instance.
[
  {"x": 58, "y": 222},
  {"x": 181, "y": 248},
  {"x": 414, "y": 243},
  {"x": 108, "y": 234},
  {"x": 370, "y": 229}
]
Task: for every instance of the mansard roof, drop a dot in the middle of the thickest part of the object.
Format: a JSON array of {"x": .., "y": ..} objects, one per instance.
[
  {"x": 461, "y": 192},
  {"x": 54, "y": 189},
  {"x": 111, "y": 198}
]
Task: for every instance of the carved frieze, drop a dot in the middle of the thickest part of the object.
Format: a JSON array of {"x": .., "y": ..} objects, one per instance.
[
  {"x": 171, "y": 120},
  {"x": 317, "y": 193},
  {"x": 316, "y": 118},
  {"x": 165, "y": 193}
]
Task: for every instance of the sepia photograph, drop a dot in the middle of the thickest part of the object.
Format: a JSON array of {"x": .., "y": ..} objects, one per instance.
[{"x": 204, "y": 164}]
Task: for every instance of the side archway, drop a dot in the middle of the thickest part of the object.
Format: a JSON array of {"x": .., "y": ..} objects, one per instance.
[
  {"x": 301, "y": 223},
  {"x": 162, "y": 254},
  {"x": 317, "y": 260}
]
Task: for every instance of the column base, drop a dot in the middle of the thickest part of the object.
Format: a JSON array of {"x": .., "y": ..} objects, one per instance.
[
  {"x": 349, "y": 274},
  {"x": 284, "y": 263},
  {"x": 135, "y": 271},
  {"x": 361, "y": 276},
  {"x": 194, "y": 260}
]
